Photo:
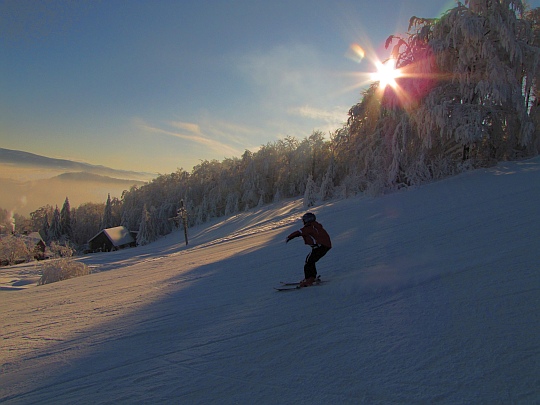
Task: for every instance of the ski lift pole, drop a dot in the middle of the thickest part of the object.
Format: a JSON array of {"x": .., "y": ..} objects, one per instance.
[{"x": 182, "y": 213}]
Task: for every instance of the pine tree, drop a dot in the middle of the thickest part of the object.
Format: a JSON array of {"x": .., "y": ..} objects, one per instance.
[
  {"x": 55, "y": 230},
  {"x": 106, "y": 222},
  {"x": 65, "y": 220},
  {"x": 45, "y": 229}
]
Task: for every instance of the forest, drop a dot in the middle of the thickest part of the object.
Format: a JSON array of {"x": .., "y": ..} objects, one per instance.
[{"x": 468, "y": 96}]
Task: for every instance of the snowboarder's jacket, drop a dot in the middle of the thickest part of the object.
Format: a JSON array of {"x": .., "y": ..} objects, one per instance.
[{"x": 313, "y": 234}]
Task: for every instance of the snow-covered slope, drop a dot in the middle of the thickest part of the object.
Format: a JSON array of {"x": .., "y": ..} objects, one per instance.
[{"x": 434, "y": 298}]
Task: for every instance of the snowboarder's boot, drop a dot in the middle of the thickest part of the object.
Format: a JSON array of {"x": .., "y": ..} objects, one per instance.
[{"x": 307, "y": 282}]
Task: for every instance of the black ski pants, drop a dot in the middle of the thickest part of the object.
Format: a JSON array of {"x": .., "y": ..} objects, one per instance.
[{"x": 313, "y": 257}]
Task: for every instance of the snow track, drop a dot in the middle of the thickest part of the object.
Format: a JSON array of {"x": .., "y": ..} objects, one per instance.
[{"x": 434, "y": 299}]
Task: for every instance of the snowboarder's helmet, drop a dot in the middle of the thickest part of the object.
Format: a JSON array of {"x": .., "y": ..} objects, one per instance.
[{"x": 308, "y": 217}]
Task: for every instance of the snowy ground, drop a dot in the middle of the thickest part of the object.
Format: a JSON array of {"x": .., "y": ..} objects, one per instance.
[{"x": 434, "y": 298}]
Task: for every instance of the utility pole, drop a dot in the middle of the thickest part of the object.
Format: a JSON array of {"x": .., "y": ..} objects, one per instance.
[{"x": 182, "y": 214}]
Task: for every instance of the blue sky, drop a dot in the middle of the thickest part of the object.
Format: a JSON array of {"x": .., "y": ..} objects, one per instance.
[{"x": 158, "y": 85}]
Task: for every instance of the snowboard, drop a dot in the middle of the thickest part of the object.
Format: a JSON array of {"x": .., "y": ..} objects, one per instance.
[{"x": 285, "y": 286}]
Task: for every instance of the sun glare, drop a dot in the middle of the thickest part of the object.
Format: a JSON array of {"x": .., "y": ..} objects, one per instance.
[{"x": 386, "y": 74}]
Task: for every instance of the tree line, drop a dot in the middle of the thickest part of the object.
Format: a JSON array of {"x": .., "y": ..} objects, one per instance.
[{"x": 468, "y": 97}]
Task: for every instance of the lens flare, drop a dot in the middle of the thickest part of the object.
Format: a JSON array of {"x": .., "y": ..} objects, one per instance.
[{"x": 356, "y": 53}]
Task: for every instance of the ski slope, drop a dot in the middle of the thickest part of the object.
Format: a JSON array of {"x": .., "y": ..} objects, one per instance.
[{"x": 434, "y": 297}]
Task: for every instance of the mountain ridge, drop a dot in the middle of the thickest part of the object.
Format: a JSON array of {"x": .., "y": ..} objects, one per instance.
[{"x": 22, "y": 158}]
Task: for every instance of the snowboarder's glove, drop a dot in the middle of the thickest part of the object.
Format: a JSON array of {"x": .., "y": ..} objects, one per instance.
[{"x": 288, "y": 239}]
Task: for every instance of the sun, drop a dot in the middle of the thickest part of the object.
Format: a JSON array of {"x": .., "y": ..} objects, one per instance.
[{"x": 386, "y": 74}]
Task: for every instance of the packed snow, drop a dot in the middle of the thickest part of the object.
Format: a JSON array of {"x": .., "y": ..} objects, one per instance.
[{"x": 433, "y": 297}]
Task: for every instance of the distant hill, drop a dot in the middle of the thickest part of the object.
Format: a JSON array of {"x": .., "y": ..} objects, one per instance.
[
  {"x": 29, "y": 181},
  {"x": 26, "y": 159},
  {"x": 91, "y": 177}
]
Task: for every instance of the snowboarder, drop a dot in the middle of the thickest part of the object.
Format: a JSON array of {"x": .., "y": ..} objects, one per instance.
[{"x": 315, "y": 236}]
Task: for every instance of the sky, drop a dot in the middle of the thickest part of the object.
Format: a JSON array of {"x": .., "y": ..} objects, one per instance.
[{"x": 159, "y": 85}]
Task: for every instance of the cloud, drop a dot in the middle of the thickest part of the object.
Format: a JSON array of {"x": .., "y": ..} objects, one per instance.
[
  {"x": 296, "y": 89},
  {"x": 291, "y": 92},
  {"x": 233, "y": 133},
  {"x": 222, "y": 138},
  {"x": 336, "y": 116},
  {"x": 187, "y": 126},
  {"x": 288, "y": 74}
]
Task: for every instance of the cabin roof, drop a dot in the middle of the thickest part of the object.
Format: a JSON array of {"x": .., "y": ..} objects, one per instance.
[{"x": 119, "y": 235}]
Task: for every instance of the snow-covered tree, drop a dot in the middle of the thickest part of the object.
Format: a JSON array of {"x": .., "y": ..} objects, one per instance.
[
  {"x": 5, "y": 221},
  {"x": 132, "y": 204},
  {"x": 14, "y": 248},
  {"x": 147, "y": 228},
  {"x": 86, "y": 222},
  {"x": 462, "y": 98},
  {"x": 45, "y": 228},
  {"x": 327, "y": 185},
  {"x": 155, "y": 223},
  {"x": 231, "y": 205},
  {"x": 124, "y": 221},
  {"x": 144, "y": 236},
  {"x": 310, "y": 195},
  {"x": 165, "y": 212},
  {"x": 483, "y": 62},
  {"x": 55, "y": 230}
]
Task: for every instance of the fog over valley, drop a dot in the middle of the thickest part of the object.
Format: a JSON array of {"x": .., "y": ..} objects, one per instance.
[{"x": 29, "y": 181}]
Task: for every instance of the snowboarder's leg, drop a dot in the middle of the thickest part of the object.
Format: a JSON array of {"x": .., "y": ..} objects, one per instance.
[
  {"x": 309, "y": 267},
  {"x": 313, "y": 257}
]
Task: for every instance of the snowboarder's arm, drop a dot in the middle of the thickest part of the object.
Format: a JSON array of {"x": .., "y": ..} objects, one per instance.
[{"x": 293, "y": 235}]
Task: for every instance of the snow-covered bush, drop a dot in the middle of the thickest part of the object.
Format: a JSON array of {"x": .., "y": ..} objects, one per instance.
[
  {"x": 62, "y": 269},
  {"x": 62, "y": 266},
  {"x": 14, "y": 249},
  {"x": 61, "y": 250}
]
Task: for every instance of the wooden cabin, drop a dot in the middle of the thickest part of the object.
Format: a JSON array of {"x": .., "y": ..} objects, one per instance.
[
  {"x": 35, "y": 242},
  {"x": 111, "y": 239}
]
